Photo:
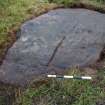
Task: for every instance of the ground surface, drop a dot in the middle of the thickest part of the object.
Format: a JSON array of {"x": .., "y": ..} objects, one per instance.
[{"x": 12, "y": 14}]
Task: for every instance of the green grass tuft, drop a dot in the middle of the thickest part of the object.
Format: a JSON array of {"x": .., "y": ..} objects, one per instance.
[{"x": 67, "y": 92}]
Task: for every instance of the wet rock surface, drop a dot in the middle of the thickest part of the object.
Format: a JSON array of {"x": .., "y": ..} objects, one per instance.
[{"x": 53, "y": 42}]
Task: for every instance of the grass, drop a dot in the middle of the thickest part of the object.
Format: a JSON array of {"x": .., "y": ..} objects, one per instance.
[
  {"x": 98, "y": 5},
  {"x": 76, "y": 1},
  {"x": 2, "y": 100},
  {"x": 68, "y": 92},
  {"x": 54, "y": 92}
]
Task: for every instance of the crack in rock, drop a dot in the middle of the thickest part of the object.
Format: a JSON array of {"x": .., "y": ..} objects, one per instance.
[{"x": 55, "y": 51}]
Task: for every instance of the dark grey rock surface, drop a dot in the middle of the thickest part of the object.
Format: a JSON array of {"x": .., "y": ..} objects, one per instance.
[{"x": 52, "y": 43}]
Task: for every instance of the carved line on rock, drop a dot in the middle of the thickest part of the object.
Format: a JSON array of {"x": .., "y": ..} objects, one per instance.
[{"x": 55, "y": 51}]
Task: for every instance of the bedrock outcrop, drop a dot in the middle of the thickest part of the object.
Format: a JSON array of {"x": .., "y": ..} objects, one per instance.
[{"x": 53, "y": 42}]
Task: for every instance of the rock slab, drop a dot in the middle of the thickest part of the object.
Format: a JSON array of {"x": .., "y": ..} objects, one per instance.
[{"x": 53, "y": 42}]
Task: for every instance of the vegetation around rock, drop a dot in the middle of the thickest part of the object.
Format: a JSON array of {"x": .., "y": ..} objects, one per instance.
[
  {"x": 68, "y": 92},
  {"x": 56, "y": 92}
]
